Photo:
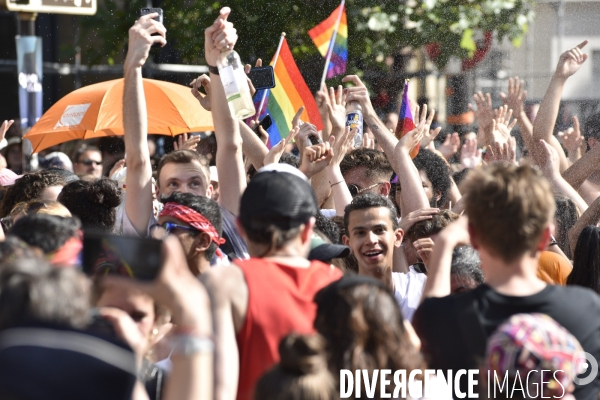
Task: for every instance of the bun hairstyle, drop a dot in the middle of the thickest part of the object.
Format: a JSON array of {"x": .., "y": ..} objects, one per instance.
[
  {"x": 94, "y": 202},
  {"x": 301, "y": 374}
]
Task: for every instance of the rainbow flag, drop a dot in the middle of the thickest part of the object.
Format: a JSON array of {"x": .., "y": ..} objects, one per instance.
[
  {"x": 322, "y": 36},
  {"x": 289, "y": 94},
  {"x": 405, "y": 121}
]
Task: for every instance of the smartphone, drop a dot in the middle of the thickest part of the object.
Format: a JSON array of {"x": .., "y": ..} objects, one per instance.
[
  {"x": 315, "y": 140},
  {"x": 160, "y": 18},
  {"x": 266, "y": 123},
  {"x": 133, "y": 257},
  {"x": 262, "y": 78}
]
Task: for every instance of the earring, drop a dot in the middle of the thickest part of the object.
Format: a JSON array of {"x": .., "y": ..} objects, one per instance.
[{"x": 154, "y": 332}]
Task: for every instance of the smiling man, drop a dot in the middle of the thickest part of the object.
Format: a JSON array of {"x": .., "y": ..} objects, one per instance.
[
  {"x": 182, "y": 171},
  {"x": 372, "y": 234}
]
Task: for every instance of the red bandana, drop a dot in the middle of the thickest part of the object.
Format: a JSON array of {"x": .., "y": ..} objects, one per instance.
[{"x": 192, "y": 217}]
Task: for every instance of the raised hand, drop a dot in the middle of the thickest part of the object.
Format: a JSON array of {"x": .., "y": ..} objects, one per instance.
[
  {"x": 450, "y": 146},
  {"x": 503, "y": 152},
  {"x": 274, "y": 155},
  {"x": 315, "y": 158},
  {"x": 419, "y": 215},
  {"x": 5, "y": 127},
  {"x": 341, "y": 145},
  {"x": 185, "y": 143},
  {"x": 368, "y": 141},
  {"x": 470, "y": 155},
  {"x": 220, "y": 35},
  {"x": 502, "y": 124},
  {"x": 358, "y": 93},
  {"x": 119, "y": 165},
  {"x": 430, "y": 134},
  {"x": 424, "y": 248},
  {"x": 570, "y": 61},
  {"x": 551, "y": 162},
  {"x": 203, "y": 99},
  {"x": 305, "y": 131},
  {"x": 484, "y": 112},
  {"x": 516, "y": 96},
  {"x": 141, "y": 40},
  {"x": 336, "y": 109},
  {"x": 409, "y": 141},
  {"x": 247, "y": 69},
  {"x": 572, "y": 140}
]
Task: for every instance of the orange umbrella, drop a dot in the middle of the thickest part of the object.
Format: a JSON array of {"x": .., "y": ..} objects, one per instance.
[{"x": 97, "y": 110}]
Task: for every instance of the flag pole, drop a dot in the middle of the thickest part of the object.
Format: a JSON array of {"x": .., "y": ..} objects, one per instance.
[
  {"x": 332, "y": 43},
  {"x": 275, "y": 58}
]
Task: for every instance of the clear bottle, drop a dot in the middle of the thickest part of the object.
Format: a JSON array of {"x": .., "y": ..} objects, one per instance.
[
  {"x": 354, "y": 119},
  {"x": 235, "y": 84}
]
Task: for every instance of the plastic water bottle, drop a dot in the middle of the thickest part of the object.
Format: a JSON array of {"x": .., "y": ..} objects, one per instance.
[
  {"x": 235, "y": 84},
  {"x": 354, "y": 119}
]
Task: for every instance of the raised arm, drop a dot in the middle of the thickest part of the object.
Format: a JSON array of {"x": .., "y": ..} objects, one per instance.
[
  {"x": 440, "y": 264},
  {"x": 359, "y": 93},
  {"x": 551, "y": 171},
  {"x": 411, "y": 188},
  {"x": 590, "y": 217},
  {"x": 230, "y": 165},
  {"x": 543, "y": 127},
  {"x": 583, "y": 168},
  {"x": 138, "y": 204},
  {"x": 515, "y": 99}
]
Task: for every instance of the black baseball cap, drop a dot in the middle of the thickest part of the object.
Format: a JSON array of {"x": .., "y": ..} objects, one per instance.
[
  {"x": 278, "y": 195},
  {"x": 320, "y": 250}
]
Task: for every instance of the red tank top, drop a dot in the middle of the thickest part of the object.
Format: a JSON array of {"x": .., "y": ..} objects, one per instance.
[{"x": 280, "y": 301}]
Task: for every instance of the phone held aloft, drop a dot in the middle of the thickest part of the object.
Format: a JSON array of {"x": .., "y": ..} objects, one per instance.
[
  {"x": 262, "y": 77},
  {"x": 159, "y": 18},
  {"x": 237, "y": 91}
]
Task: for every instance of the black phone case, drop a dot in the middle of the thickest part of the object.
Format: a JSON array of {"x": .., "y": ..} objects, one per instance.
[
  {"x": 262, "y": 70},
  {"x": 160, "y": 18}
]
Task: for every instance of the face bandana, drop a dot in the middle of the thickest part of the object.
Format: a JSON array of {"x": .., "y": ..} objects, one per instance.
[{"x": 194, "y": 218}]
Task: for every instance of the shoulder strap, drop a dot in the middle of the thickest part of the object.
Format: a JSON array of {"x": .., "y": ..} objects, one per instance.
[{"x": 467, "y": 311}]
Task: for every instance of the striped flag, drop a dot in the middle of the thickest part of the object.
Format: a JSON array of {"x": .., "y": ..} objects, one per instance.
[
  {"x": 405, "y": 121},
  {"x": 322, "y": 36},
  {"x": 289, "y": 94}
]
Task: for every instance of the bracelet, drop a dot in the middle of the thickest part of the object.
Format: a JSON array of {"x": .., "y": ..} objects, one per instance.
[
  {"x": 213, "y": 70},
  {"x": 337, "y": 183},
  {"x": 189, "y": 345}
]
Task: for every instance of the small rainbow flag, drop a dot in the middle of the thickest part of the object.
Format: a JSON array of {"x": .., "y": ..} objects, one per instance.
[
  {"x": 405, "y": 120},
  {"x": 322, "y": 36},
  {"x": 289, "y": 94}
]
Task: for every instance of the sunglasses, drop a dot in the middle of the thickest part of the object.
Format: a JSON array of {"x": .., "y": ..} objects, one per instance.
[
  {"x": 169, "y": 226},
  {"x": 355, "y": 190},
  {"x": 88, "y": 163}
]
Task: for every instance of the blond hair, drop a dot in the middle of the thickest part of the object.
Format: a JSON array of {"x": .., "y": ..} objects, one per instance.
[{"x": 509, "y": 208}]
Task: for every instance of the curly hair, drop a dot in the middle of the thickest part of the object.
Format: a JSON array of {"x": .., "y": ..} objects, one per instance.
[
  {"x": 364, "y": 327},
  {"x": 429, "y": 227},
  {"x": 438, "y": 173},
  {"x": 94, "y": 202},
  {"x": 29, "y": 187},
  {"x": 566, "y": 214},
  {"x": 375, "y": 161}
]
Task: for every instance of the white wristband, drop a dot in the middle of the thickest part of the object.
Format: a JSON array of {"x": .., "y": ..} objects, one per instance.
[{"x": 187, "y": 345}]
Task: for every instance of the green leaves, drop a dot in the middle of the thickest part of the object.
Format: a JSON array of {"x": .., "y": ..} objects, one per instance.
[{"x": 374, "y": 31}]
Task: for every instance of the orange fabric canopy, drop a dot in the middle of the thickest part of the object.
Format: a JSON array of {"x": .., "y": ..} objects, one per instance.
[{"x": 97, "y": 110}]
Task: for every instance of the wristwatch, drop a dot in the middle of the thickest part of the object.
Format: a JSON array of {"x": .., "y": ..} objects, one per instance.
[{"x": 213, "y": 70}]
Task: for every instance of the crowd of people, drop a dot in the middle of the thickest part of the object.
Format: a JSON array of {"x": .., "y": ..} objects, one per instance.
[{"x": 282, "y": 267}]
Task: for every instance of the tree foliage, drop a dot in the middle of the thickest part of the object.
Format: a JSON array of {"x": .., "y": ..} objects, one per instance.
[{"x": 374, "y": 30}]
